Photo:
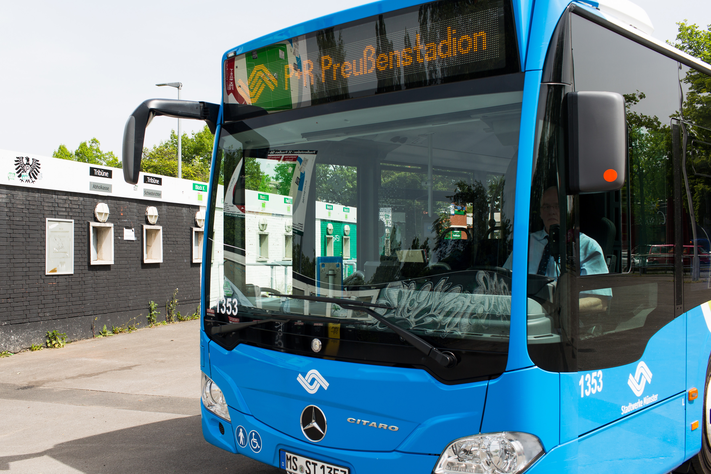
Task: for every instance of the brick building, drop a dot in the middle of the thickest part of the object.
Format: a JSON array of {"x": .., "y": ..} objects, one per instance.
[{"x": 62, "y": 269}]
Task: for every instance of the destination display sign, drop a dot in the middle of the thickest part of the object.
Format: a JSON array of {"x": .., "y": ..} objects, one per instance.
[{"x": 431, "y": 44}]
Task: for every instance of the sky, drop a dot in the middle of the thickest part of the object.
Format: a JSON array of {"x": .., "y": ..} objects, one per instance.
[{"x": 75, "y": 70}]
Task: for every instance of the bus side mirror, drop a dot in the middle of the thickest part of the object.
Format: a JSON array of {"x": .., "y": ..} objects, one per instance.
[
  {"x": 135, "y": 130},
  {"x": 597, "y": 141}
]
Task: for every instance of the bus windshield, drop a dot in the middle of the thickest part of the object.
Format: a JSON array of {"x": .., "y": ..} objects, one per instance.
[{"x": 403, "y": 205}]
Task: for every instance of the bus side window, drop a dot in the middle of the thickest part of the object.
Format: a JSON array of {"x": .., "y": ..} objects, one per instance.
[{"x": 640, "y": 292}]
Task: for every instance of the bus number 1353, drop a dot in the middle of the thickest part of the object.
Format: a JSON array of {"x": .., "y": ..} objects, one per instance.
[{"x": 590, "y": 384}]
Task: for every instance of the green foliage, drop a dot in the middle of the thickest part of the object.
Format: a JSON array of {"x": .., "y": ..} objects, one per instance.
[
  {"x": 4, "y": 354},
  {"x": 88, "y": 152},
  {"x": 125, "y": 328},
  {"x": 105, "y": 332},
  {"x": 336, "y": 184},
  {"x": 196, "y": 151},
  {"x": 693, "y": 40},
  {"x": 255, "y": 179},
  {"x": 697, "y": 104},
  {"x": 55, "y": 339},
  {"x": 650, "y": 151},
  {"x": 283, "y": 174},
  {"x": 152, "y": 314},
  {"x": 198, "y": 146},
  {"x": 171, "y": 313},
  {"x": 195, "y": 315},
  {"x": 697, "y": 101},
  {"x": 696, "y": 112},
  {"x": 36, "y": 347}
]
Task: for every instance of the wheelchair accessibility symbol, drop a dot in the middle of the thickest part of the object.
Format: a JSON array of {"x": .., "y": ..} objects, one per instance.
[
  {"x": 255, "y": 441},
  {"x": 241, "y": 435}
]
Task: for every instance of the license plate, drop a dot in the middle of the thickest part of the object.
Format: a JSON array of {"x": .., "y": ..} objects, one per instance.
[{"x": 298, "y": 464}]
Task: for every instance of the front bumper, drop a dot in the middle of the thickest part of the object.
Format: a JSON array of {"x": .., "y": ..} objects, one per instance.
[{"x": 267, "y": 443}]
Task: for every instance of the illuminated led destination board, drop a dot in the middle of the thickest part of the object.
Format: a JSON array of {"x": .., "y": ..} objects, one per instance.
[{"x": 430, "y": 44}]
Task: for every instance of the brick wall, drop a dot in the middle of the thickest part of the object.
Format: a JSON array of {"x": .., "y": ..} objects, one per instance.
[{"x": 32, "y": 303}]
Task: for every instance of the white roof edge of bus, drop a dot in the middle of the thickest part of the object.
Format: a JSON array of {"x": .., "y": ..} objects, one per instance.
[
  {"x": 609, "y": 15},
  {"x": 629, "y": 13}
]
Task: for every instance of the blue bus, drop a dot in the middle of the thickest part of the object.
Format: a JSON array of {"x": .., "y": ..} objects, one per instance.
[{"x": 428, "y": 242}]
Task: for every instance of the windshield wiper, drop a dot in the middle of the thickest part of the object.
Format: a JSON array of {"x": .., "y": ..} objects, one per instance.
[{"x": 444, "y": 358}]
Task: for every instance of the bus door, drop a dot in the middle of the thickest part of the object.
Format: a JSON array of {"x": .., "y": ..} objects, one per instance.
[{"x": 622, "y": 353}]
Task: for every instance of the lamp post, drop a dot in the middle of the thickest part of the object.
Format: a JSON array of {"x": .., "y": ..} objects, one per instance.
[{"x": 177, "y": 85}]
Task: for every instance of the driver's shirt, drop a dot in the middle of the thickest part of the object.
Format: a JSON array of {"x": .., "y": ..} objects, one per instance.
[{"x": 592, "y": 260}]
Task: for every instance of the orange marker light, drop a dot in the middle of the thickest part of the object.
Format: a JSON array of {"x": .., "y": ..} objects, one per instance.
[
  {"x": 694, "y": 425},
  {"x": 693, "y": 394},
  {"x": 610, "y": 175}
]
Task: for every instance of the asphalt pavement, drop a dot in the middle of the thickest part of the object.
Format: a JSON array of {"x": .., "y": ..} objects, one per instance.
[{"x": 124, "y": 403}]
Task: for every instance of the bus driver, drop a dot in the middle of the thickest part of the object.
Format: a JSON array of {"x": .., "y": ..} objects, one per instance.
[{"x": 541, "y": 261}]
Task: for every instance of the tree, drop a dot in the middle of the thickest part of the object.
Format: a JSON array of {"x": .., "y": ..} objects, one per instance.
[
  {"x": 283, "y": 175},
  {"x": 336, "y": 184},
  {"x": 697, "y": 101},
  {"x": 693, "y": 40},
  {"x": 697, "y": 119},
  {"x": 196, "y": 159},
  {"x": 255, "y": 178},
  {"x": 88, "y": 152},
  {"x": 650, "y": 170}
]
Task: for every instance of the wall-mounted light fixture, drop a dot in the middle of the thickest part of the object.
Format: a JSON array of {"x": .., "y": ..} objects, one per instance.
[
  {"x": 329, "y": 240},
  {"x": 200, "y": 218},
  {"x": 198, "y": 236},
  {"x": 101, "y": 212},
  {"x": 346, "y": 242},
  {"x": 152, "y": 215},
  {"x": 288, "y": 240},
  {"x": 263, "y": 224}
]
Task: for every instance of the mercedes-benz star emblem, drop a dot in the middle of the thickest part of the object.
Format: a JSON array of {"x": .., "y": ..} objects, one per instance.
[{"x": 313, "y": 423}]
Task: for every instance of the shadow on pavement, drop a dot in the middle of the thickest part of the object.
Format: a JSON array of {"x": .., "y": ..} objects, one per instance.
[{"x": 173, "y": 446}]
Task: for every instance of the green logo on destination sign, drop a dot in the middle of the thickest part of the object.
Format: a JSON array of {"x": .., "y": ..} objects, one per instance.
[
  {"x": 200, "y": 187},
  {"x": 263, "y": 197}
]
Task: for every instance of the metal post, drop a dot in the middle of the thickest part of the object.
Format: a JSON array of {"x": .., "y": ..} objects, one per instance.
[
  {"x": 180, "y": 140},
  {"x": 177, "y": 85}
]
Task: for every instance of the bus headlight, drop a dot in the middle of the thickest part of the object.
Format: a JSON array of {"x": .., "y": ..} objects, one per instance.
[
  {"x": 492, "y": 453},
  {"x": 213, "y": 399}
]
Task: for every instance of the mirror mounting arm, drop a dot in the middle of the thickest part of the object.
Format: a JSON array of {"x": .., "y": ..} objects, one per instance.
[{"x": 135, "y": 130}]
